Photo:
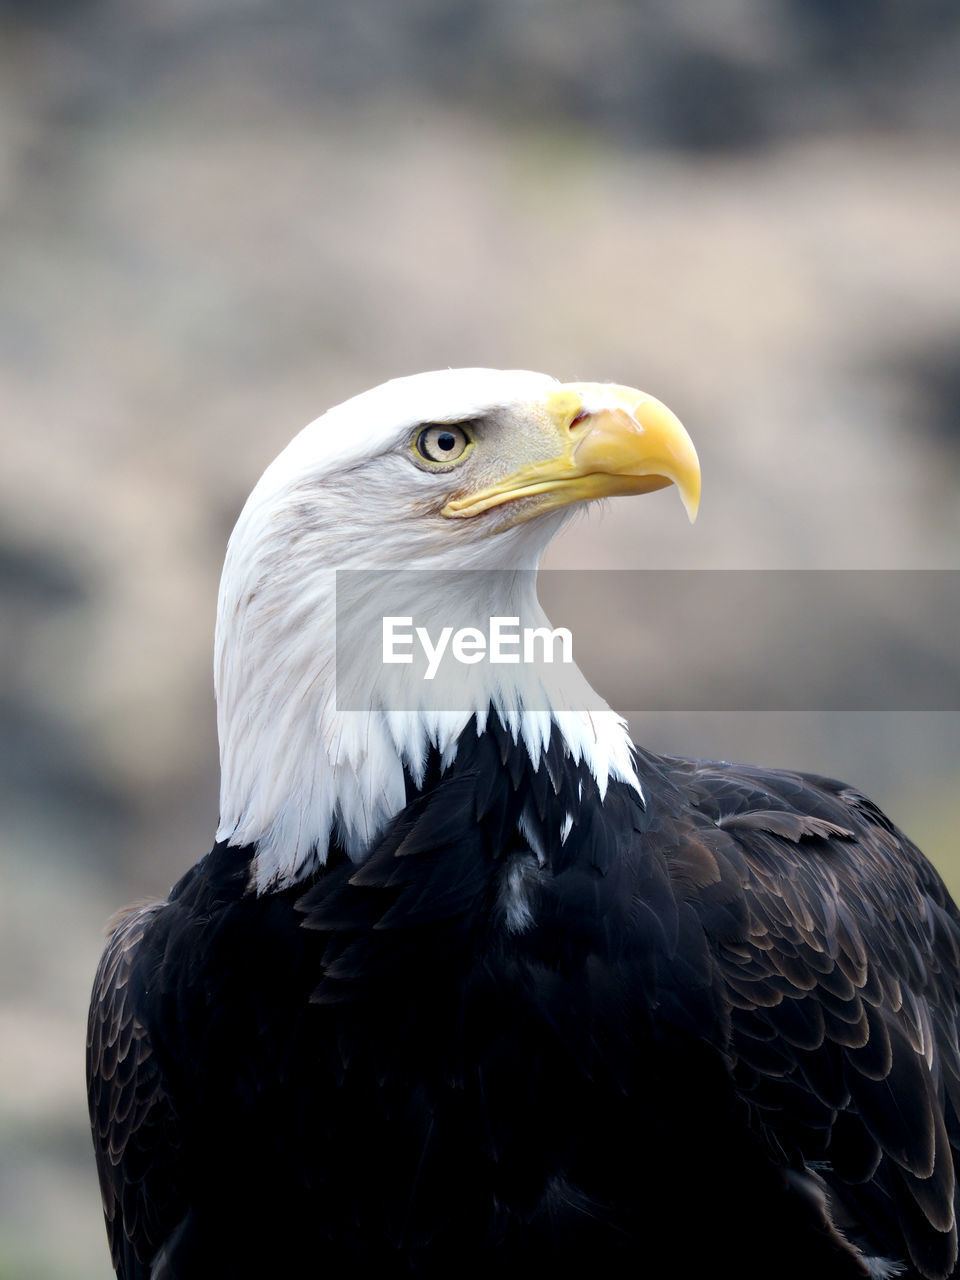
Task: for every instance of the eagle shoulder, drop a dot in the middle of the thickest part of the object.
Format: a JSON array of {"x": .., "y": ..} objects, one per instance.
[
  {"x": 838, "y": 946},
  {"x": 134, "y": 1126}
]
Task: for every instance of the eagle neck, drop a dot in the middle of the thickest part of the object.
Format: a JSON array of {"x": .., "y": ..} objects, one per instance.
[{"x": 300, "y": 773}]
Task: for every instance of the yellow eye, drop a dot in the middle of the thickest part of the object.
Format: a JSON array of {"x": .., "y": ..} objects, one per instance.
[{"x": 443, "y": 443}]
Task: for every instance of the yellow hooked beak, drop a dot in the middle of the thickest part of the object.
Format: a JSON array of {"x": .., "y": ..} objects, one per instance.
[{"x": 610, "y": 440}]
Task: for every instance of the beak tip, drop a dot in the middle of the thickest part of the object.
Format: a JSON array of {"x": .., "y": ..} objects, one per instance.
[{"x": 691, "y": 504}]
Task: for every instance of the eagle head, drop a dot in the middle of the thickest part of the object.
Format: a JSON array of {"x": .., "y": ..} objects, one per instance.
[{"x": 443, "y": 474}]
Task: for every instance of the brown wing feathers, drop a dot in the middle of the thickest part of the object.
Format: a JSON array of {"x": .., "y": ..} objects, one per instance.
[
  {"x": 133, "y": 1128},
  {"x": 843, "y": 990}
]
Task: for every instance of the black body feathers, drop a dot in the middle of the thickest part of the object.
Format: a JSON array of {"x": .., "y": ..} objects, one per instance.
[{"x": 536, "y": 1028}]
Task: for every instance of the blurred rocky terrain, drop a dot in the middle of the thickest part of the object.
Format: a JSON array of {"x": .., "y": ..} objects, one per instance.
[{"x": 217, "y": 219}]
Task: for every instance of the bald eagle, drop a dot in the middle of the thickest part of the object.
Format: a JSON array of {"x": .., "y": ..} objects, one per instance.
[{"x": 485, "y": 987}]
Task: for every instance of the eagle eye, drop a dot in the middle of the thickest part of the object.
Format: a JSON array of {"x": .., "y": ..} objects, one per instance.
[{"x": 444, "y": 443}]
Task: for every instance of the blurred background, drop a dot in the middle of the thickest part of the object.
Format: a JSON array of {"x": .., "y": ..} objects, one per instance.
[{"x": 219, "y": 218}]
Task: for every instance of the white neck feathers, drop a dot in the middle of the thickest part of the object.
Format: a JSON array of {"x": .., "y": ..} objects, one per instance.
[{"x": 297, "y": 771}]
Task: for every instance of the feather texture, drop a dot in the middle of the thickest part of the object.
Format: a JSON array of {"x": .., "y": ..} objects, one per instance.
[{"x": 730, "y": 1017}]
